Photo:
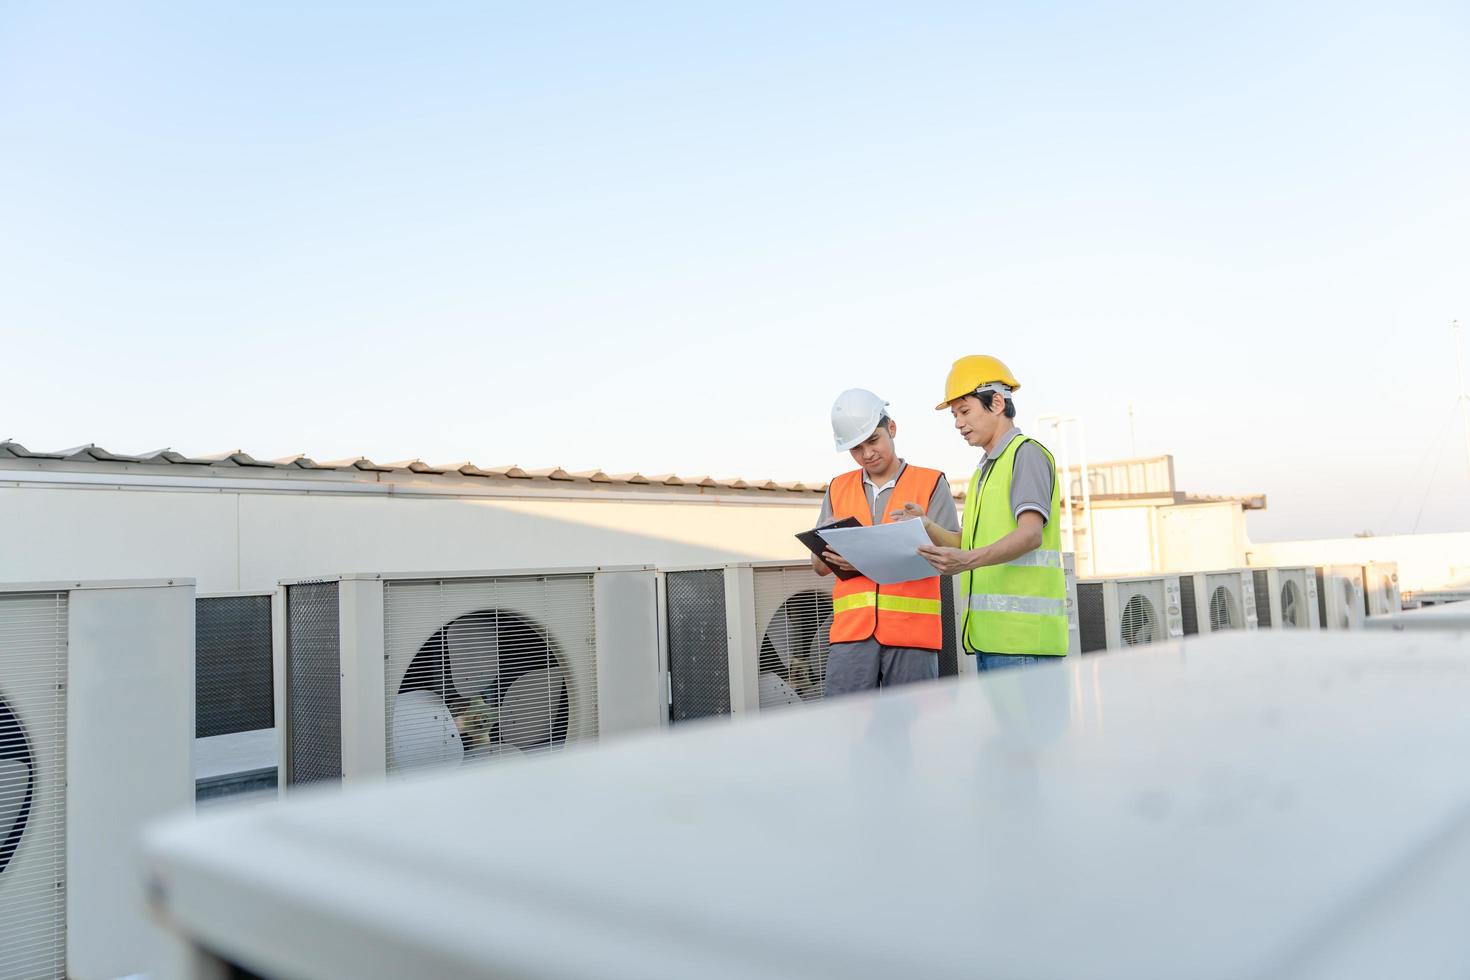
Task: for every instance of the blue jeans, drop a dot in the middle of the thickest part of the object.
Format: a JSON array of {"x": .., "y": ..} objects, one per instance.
[{"x": 1000, "y": 661}]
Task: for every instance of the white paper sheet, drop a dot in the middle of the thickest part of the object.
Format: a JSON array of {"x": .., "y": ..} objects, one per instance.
[{"x": 885, "y": 553}]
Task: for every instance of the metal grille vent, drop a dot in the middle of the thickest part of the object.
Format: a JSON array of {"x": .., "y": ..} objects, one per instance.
[
  {"x": 1349, "y": 602},
  {"x": 699, "y": 644},
  {"x": 1262, "y": 580},
  {"x": 1223, "y": 615},
  {"x": 313, "y": 684},
  {"x": 949, "y": 653},
  {"x": 234, "y": 687},
  {"x": 1187, "y": 608},
  {"x": 480, "y": 669},
  {"x": 33, "y": 652},
  {"x": 1293, "y": 606},
  {"x": 794, "y": 613},
  {"x": 1140, "y": 622},
  {"x": 1092, "y": 623}
]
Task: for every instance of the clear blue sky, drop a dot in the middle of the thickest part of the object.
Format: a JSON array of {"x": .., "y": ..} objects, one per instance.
[{"x": 663, "y": 236}]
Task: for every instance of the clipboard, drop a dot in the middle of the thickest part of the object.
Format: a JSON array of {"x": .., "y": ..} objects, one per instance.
[{"x": 816, "y": 545}]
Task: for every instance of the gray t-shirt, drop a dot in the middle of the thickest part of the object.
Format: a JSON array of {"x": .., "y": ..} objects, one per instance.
[
  {"x": 941, "y": 503},
  {"x": 1032, "y": 479}
]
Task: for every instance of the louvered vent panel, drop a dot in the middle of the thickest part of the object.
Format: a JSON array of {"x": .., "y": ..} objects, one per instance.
[
  {"x": 33, "y": 644},
  {"x": 1092, "y": 624},
  {"x": 793, "y": 614},
  {"x": 1187, "y": 609},
  {"x": 698, "y": 643},
  {"x": 314, "y": 683},
  {"x": 1262, "y": 581},
  {"x": 481, "y": 669},
  {"x": 234, "y": 687}
]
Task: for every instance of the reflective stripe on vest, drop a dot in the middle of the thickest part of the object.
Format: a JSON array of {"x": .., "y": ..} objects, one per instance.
[
  {"x": 907, "y": 614},
  {"x": 882, "y": 600},
  {"x": 1040, "y": 558},
  {"x": 1019, "y": 607},
  {"x": 1029, "y": 604}
]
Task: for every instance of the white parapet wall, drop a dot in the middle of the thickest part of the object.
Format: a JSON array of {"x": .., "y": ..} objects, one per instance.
[
  {"x": 235, "y": 538},
  {"x": 1426, "y": 562}
]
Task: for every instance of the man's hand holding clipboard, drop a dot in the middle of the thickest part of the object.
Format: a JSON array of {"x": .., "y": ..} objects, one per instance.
[{"x": 824, "y": 554}]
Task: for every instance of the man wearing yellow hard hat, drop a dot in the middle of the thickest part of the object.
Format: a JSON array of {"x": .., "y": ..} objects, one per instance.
[{"x": 1008, "y": 551}]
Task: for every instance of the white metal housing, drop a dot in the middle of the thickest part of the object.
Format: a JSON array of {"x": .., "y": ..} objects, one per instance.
[
  {"x": 1114, "y": 614},
  {"x": 1340, "y": 596},
  {"x": 1286, "y": 598},
  {"x": 1381, "y": 589},
  {"x": 96, "y": 733},
  {"x": 401, "y": 672},
  {"x": 1190, "y": 810}
]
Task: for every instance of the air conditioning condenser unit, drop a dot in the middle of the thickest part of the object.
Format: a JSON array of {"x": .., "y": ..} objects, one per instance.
[
  {"x": 1286, "y": 598},
  {"x": 1219, "y": 600},
  {"x": 96, "y": 740},
  {"x": 1118, "y": 613},
  {"x": 754, "y": 636},
  {"x": 393, "y": 673},
  {"x": 1340, "y": 596}
]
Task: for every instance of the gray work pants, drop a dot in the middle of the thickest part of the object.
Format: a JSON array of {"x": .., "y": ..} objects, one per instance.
[{"x": 867, "y": 664}]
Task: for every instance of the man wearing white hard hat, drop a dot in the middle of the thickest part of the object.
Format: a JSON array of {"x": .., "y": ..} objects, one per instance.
[{"x": 881, "y": 635}]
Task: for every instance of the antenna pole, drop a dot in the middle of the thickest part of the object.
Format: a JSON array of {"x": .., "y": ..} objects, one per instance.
[{"x": 1132, "y": 433}]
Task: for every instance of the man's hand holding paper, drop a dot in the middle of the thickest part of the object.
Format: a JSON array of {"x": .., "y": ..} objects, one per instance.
[{"x": 885, "y": 553}]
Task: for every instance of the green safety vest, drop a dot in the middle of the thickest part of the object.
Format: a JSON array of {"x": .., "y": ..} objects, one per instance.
[{"x": 1019, "y": 607}]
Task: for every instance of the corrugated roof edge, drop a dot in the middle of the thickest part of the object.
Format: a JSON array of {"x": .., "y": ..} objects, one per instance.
[{"x": 10, "y": 449}]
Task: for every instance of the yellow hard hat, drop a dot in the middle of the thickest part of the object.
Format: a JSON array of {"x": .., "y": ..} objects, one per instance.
[{"x": 972, "y": 372}]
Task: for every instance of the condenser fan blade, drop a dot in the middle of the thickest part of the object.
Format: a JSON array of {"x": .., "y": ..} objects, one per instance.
[
  {"x": 1139, "y": 621},
  {"x": 775, "y": 692},
  {"x": 15, "y": 785},
  {"x": 784, "y": 636},
  {"x": 1288, "y": 608},
  {"x": 529, "y": 709},
  {"x": 473, "y": 649},
  {"x": 424, "y": 733}
]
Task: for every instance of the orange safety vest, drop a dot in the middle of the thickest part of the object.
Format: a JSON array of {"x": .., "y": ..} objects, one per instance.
[{"x": 903, "y": 615}]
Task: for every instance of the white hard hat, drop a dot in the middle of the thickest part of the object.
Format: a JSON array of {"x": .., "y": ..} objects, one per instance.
[{"x": 855, "y": 414}]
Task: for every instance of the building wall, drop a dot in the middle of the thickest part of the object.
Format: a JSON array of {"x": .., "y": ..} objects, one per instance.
[
  {"x": 1149, "y": 538},
  {"x": 1196, "y": 537},
  {"x": 1427, "y": 562},
  {"x": 1123, "y": 541},
  {"x": 238, "y": 540}
]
